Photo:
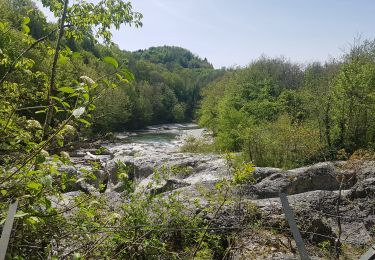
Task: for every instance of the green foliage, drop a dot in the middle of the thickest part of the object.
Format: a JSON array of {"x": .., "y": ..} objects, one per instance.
[
  {"x": 124, "y": 173},
  {"x": 173, "y": 57},
  {"x": 178, "y": 112},
  {"x": 280, "y": 115},
  {"x": 197, "y": 145},
  {"x": 354, "y": 99},
  {"x": 164, "y": 89},
  {"x": 325, "y": 245},
  {"x": 83, "y": 17},
  {"x": 244, "y": 174},
  {"x": 111, "y": 61},
  {"x": 28, "y": 172},
  {"x": 281, "y": 143},
  {"x": 160, "y": 93}
]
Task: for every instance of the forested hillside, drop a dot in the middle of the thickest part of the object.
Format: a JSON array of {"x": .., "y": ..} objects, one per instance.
[
  {"x": 282, "y": 114},
  {"x": 164, "y": 90},
  {"x": 165, "y": 87},
  {"x": 172, "y": 57}
]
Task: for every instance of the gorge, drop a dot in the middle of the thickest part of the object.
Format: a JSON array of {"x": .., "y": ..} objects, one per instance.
[{"x": 313, "y": 191}]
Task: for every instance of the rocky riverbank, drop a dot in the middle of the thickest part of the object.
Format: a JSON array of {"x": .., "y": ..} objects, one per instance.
[{"x": 332, "y": 200}]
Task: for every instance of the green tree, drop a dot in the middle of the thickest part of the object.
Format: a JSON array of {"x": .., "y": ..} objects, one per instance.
[
  {"x": 354, "y": 94},
  {"x": 26, "y": 174}
]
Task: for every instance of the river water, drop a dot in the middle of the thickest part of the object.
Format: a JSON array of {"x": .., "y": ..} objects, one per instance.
[
  {"x": 158, "y": 146},
  {"x": 154, "y": 140},
  {"x": 150, "y": 149},
  {"x": 166, "y": 133}
]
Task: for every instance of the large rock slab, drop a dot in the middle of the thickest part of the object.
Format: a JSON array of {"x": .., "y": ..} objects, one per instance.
[{"x": 321, "y": 176}]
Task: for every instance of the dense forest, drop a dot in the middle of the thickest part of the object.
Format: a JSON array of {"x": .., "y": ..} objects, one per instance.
[
  {"x": 167, "y": 80},
  {"x": 285, "y": 115},
  {"x": 66, "y": 82}
]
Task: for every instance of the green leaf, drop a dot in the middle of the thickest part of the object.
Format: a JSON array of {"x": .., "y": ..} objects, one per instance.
[
  {"x": 123, "y": 176},
  {"x": 60, "y": 142},
  {"x": 57, "y": 99},
  {"x": 21, "y": 214},
  {"x": 47, "y": 203},
  {"x": 40, "y": 159},
  {"x": 119, "y": 76},
  {"x": 41, "y": 111},
  {"x": 34, "y": 185},
  {"x": 107, "y": 82},
  {"x": 76, "y": 55},
  {"x": 111, "y": 61},
  {"x": 68, "y": 90},
  {"x": 66, "y": 104},
  {"x": 25, "y": 29},
  {"x": 33, "y": 220},
  {"x": 93, "y": 203},
  {"x": 57, "y": 109},
  {"x": 63, "y": 59},
  {"x": 86, "y": 96},
  {"x": 87, "y": 123},
  {"x": 26, "y": 20},
  {"x": 128, "y": 74},
  {"x": 3, "y": 192}
]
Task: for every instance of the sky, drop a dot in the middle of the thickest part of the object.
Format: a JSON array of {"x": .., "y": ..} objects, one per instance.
[{"x": 233, "y": 33}]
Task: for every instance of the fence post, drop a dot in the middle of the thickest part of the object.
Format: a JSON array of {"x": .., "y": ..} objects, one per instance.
[
  {"x": 7, "y": 229},
  {"x": 293, "y": 226}
]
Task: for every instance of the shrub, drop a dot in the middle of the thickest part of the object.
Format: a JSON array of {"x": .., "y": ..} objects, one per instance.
[{"x": 197, "y": 145}]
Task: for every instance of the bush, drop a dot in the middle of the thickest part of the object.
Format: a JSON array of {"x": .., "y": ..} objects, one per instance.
[
  {"x": 197, "y": 145},
  {"x": 282, "y": 143}
]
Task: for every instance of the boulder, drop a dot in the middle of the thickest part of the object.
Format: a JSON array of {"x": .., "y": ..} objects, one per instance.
[
  {"x": 363, "y": 188},
  {"x": 321, "y": 176},
  {"x": 263, "y": 172},
  {"x": 169, "y": 185},
  {"x": 315, "y": 213},
  {"x": 362, "y": 169}
]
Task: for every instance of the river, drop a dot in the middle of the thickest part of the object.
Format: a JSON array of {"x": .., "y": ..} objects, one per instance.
[{"x": 148, "y": 150}]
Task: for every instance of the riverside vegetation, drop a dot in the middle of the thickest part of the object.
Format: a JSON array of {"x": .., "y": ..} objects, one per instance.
[
  {"x": 281, "y": 115},
  {"x": 64, "y": 82}
]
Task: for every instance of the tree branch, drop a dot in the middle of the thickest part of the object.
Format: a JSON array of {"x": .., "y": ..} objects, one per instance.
[{"x": 51, "y": 89}]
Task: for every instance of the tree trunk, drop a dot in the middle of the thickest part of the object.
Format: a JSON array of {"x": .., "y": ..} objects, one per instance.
[
  {"x": 327, "y": 123},
  {"x": 52, "y": 89}
]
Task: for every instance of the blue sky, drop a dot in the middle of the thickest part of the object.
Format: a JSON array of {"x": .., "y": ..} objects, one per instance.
[{"x": 236, "y": 32}]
